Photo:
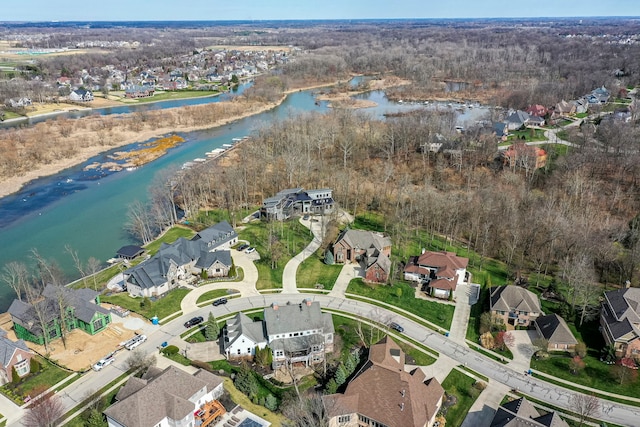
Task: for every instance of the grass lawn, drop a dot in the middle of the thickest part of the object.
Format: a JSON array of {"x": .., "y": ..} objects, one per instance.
[
  {"x": 179, "y": 358},
  {"x": 313, "y": 270},
  {"x": 179, "y": 94},
  {"x": 100, "y": 280},
  {"x": 292, "y": 237},
  {"x": 440, "y": 314},
  {"x": 11, "y": 115},
  {"x": 243, "y": 400},
  {"x": 460, "y": 386},
  {"x": 209, "y": 295},
  {"x": 527, "y": 135},
  {"x": 596, "y": 374},
  {"x": 162, "y": 307},
  {"x": 173, "y": 234},
  {"x": 209, "y": 217},
  {"x": 46, "y": 378}
]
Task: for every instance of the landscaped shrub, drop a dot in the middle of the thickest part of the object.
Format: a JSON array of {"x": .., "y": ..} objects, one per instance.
[
  {"x": 271, "y": 403},
  {"x": 34, "y": 366},
  {"x": 202, "y": 365},
  {"x": 170, "y": 350},
  {"x": 487, "y": 341},
  {"x": 15, "y": 378}
]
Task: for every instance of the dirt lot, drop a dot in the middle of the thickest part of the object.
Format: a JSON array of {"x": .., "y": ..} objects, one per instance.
[{"x": 82, "y": 350}]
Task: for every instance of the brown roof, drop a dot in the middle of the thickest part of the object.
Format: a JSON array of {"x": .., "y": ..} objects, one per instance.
[
  {"x": 444, "y": 284},
  {"x": 383, "y": 391},
  {"x": 442, "y": 259},
  {"x": 144, "y": 403},
  {"x": 412, "y": 268}
]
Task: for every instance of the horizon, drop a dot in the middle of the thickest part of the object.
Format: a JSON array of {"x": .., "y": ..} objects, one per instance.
[{"x": 286, "y": 10}]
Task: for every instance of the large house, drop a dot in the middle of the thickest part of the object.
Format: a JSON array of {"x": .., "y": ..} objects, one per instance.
[
  {"x": 521, "y": 413},
  {"x": 370, "y": 249},
  {"x": 297, "y": 201},
  {"x": 83, "y": 311},
  {"x": 13, "y": 355},
  {"x": 518, "y": 119},
  {"x": 524, "y": 156},
  {"x": 295, "y": 333},
  {"x": 620, "y": 320},
  {"x": 382, "y": 393},
  {"x": 513, "y": 305},
  {"x": 169, "y": 397},
  {"x": 81, "y": 95},
  {"x": 439, "y": 272},
  {"x": 208, "y": 251},
  {"x": 554, "y": 329}
]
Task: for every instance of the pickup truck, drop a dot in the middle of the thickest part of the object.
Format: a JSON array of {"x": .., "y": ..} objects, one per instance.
[{"x": 108, "y": 360}]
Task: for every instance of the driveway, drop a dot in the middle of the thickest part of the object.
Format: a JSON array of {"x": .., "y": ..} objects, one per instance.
[
  {"x": 522, "y": 349},
  {"x": 484, "y": 408},
  {"x": 348, "y": 272},
  {"x": 290, "y": 270}
]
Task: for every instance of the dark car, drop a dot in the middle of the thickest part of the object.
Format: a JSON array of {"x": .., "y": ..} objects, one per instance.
[
  {"x": 193, "y": 322},
  {"x": 242, "y": 247},
  {"x": 220, "y": 302},
  {"x": 396, "y": 327}
]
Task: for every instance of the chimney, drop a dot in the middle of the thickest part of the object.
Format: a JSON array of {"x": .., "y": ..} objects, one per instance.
[{"x": 274, "y": 306}]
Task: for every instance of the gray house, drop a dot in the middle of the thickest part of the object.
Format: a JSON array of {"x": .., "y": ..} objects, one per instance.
[
  {"x": 521, "y": 413},
  {"x": 296, "y": 201},
  {"x": 182, "y": 260},
  {"x": 295, "y": 333},
  {"x": 554, "y": 329},
  {"x": 513, "y": 305}
]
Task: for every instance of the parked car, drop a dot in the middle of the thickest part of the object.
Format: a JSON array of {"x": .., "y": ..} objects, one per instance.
[
  {"x": 250, "y": 250},
  {"x": 243, "y": 247},
  {"x": 396, "y": 327},
  {"x": 104, "y": 362},
  {"x": 193, "y": 322},
  {"x": 219, "y": 302},
  {"x": 305, "y": 217}
]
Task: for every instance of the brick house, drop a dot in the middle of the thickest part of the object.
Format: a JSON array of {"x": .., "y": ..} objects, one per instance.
[
  {"x": 513, "y": 305},
  {"x": 369, "y": 249},
  {"x": 13, "y": 354},
  {"x": 382, "y": 393},
  {"x": 620, "y": 321},
  {"x": 554, "y": 329}
]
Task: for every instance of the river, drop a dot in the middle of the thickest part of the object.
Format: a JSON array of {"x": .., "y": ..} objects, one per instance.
[{"x": 87, "y": 210}]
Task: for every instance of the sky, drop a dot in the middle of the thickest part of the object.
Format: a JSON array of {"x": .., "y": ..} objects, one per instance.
[{"x": 172, "y": 10}]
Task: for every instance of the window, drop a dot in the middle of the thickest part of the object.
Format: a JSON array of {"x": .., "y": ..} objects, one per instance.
[
  {"x": 98, "y": 324},
  {"x": 22, "y": 367},
  {"x": 238, "y": 351},
  {"x": 249, "y": 350},
  {"x": 344, "y": 418}
]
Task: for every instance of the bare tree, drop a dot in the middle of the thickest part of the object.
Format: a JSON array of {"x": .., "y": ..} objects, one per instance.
[
  {"x": 45, "y": 410},
  {"x": 584, "y": 405},
  {"x": 139, "y": 222},
  {"x": 306, "y": 412},
  {"x": 16, "y": 276},
  {"x": 77, "y": 263},
  {"x": 93, "y": 266},
  {"x": 43, "y": 310},
  {"x": 139, "y": 360}
]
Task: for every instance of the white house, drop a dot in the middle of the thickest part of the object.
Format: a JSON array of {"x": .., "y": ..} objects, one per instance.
[
  {"x": 440, "y": 272},
  {"x": 167, "y": 398},
  {"x": 81, "y": 95},
  {"x": 295, "y": 333}
]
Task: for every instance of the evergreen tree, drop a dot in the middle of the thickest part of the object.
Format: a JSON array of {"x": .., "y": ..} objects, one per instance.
[
  {"x": 246, "y": 382},
  {"x": 271, "y": 403},
  {"x": 15, "y": 378},
  {"x": 341, "y": 375},
  {"x": 350, "y": 364},
  {"x": 332, "y": 386},
  {"x": 211, "y": 329},
  {"x": 95, "y": 419},
  {"x": 328, "y": 258}
]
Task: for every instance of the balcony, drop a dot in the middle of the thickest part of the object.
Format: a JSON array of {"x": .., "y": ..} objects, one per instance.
[{"x": 209, "y": 413}]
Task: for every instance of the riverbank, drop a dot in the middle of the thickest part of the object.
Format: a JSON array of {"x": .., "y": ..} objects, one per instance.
[{"x": 125, "y": 137}]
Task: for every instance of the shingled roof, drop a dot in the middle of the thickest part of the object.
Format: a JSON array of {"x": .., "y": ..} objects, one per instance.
[
  {"x": 144, "y": 403},
  {"x": 383, "y": 391},
  {"x": 9, "y": 347},
  {"x": 554, "y": 329},
  {"x": 521, "y": 413},
  {"x": 511, "y": 297}
]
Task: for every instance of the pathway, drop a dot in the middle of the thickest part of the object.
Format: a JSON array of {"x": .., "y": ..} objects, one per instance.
[{"x": 290, "y": 270}]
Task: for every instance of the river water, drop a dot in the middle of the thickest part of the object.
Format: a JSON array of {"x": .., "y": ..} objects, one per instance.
[{"x": 87, "y": 210}]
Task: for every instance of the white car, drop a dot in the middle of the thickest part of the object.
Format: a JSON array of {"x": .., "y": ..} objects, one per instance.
[
  {"x": 250, "y": 250},
  {"x": 103, "y": 362},
  {"x": 135, "y": 341}
]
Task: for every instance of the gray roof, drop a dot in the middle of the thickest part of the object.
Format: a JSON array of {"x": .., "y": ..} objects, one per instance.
[
  {"x": 554, "y": 329},
  {"x": 8, "y": 348},
  {"x": 624, "y": 303},
  {"x": 149, "y": 401},
  {"x": 511, "y": 297},
  {"x": 297, "y": 343},
  {"x": 216, "y": 235},
  {"x": 207, "y": 259},
  {"x": 242, "y": 325},
  {"x": 521, "y": 413},
  {"x": 518, "y": 117},
  {"x": 364, "y": 239},
  {"x": 296, "y": 317}
]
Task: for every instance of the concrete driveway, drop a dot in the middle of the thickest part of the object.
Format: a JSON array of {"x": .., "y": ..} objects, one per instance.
[
  {"x": 290, "y": 270},
  {"x": 522, "y": 349}
]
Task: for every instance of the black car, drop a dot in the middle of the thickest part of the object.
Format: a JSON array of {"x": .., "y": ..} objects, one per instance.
[
  {"x": 396, "y": 327},
  {"x": 220, "y": 302},
  {"x": 193, "y": 322},
  {"x": 242, "y": 247}
]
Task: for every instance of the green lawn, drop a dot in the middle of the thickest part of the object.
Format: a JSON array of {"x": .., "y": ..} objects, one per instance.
[
  {"x": 178, "y": 94},
  {"x": 162, "y": 308},
  {"x": 527, "y": 135},
  {"x": 292, "y": 237},
  {"x": 313, "y": 270},
  {"x": 596, "y": 374},
  {"x": 209, "y": 295},
  {"x": 461, "y": 386},
  {"x": 440, "y": 314},
  {"x": 173, "y": 234},
  {"x": 209, "y": 217},
  {"x": 46, "y": 378},
  {"x": 243, "y": 400},
  {"x": 11, "y": 115}
]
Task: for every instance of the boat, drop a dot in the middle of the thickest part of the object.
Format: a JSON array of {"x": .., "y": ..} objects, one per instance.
[
  {"x": 131, "y": 168},
  {"x": 199, "y": 160},
  {"x": 69, "y": 180},
  {"x": 236, "y": 139},
  {"x": 227, "y": 145}
]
